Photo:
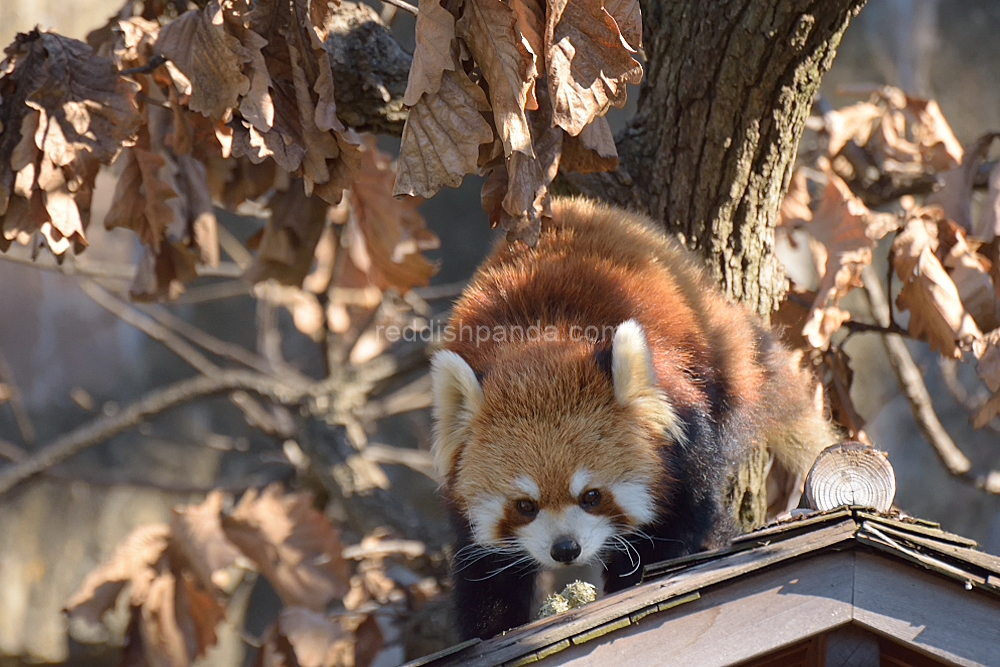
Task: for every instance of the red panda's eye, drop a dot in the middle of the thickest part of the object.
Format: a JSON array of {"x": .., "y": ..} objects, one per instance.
[
  {"x": 527, "y": 507},
  {"x": 590, "y": 499}
]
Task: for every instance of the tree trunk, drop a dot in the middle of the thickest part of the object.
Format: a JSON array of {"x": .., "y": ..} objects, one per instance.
[{"x": 727, "y": 89}]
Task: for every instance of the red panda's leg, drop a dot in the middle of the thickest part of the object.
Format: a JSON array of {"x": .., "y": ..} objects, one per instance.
[{"x": 492, "y": 592}]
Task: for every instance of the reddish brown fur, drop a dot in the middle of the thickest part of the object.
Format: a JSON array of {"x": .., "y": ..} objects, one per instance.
[{"x": 512, "y": 414}]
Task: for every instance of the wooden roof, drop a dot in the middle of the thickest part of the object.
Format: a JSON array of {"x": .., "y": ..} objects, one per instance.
[{"x": 902, "y": 578}]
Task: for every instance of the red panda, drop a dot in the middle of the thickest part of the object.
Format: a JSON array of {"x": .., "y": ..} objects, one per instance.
[{"x": 595, "y": 394}]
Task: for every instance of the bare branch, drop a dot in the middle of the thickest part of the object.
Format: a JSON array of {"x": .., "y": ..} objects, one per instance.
[
  {"x": 71, "y": 267},
  {"x": 154, "y": 330},
  {"x": 214, "y": 292},
  {"x": 97, "y": 431},
  {"x": 16, "y": 402},
  {"x": 405, "y": 6},
  {"x": 12, "y": 452},
  {"x": 209, "y": 342},
  {"x": 414, "y": 459}
]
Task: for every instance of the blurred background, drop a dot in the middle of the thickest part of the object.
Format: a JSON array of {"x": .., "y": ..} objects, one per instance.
[{"x": 70, "y": 360}]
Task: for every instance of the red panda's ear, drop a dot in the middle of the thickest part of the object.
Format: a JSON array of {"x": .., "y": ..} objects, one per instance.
[
  {"x": 457, "y": 398},
  {"x": 631, "y": 363}
]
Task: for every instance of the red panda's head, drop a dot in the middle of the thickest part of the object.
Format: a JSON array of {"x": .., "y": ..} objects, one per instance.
[{"x": 550, "y": 454}]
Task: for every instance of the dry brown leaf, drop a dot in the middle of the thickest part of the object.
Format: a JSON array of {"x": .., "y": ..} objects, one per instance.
[
  {"x": 842, "y": 248},
  {"x": 628, "y": 17},
  {"x": 394, "y": 233},
  {"x": 441, "y": 138},
  {"x": 987, "y": 227},
  {"x": 292, "y": 544},
  {"x": 205, "y": 61},
  {"x": 432, "y": 55},
  {"x": 132, "y": 562},
  {"x": 176, "y": 620},
  {"x": 955, "y": 195},
  {"x": 290, "y": 236},
  {"x": 937, "y": 314},
  {"x": 987, "y": 352},
  {"x": 196, "y": 532},
  {"x": 194, "y": 209},
  {"x": 487, "y": 27},
  {"x": 971, "y": 273},
  {"x": 257, "y": 106},
  {"x": 139, "y": 202},
  {"x": 592, "y": 151},
  {"x": 530, "y": 15},
  {"x": 853, "y": 123},
  {"x": 795, "y": 206},
  {"x": 66, "y": 110},
  {"x": 161, "y": 274},
  {"x": 587, "y": 63}
]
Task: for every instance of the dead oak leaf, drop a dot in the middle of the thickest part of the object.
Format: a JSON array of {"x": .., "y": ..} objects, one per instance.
[
  {"x": 432, "y": 55},
  {"x": 394, "y": 232},
  {"x": 628, "y": 16},
  {"x": 289, "y": 238},
  {"x": 304, "y": 638},
  {"x": 955, "y": 195},
  {"x": 209, "y": 59},
  {"x": 196, "y": 532},
  {"x": 292, "y": 544},
  {"x": 587, "y": 63},
  {"x": 530, "y": 16},
  {"x": 441, "y": 138},
  {"x": 852, "y": 123},
  {"x": 842, "y": 247},
  {"x": 161, "y": 274},
  {"x": 66, "y": 110},
  {"x": 132, "y": 562},
  {"x": 139, "y": 201},
  {"x": 593, "y": 150},
  {"x": 937, "y": 314},
  {"x": 487, "y": 28},
  {"x": 795, "y": 207}
]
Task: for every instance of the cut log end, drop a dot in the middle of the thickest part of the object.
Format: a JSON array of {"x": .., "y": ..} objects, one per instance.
[{"x": 851, "y": 474}]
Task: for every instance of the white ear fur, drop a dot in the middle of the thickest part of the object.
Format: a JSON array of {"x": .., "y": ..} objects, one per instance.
[
  {"x": 457, "y": 399},
  {"x": 631, "y": 363},
  {"x": 635, "y": 380}
]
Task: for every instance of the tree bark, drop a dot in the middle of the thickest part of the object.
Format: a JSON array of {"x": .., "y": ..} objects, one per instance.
[{"x": 727, "y": 89}]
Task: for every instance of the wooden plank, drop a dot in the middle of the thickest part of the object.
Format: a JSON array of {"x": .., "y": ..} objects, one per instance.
[
  {"x": 971, "y": 556},
  {"x": 779, "y": 529},
  {"x": 749, "y": 618},
  {"x": 539, "y": 634},
  {"x": 922, "y": 528},
  {"x": 851, "y": 646},
  {"x": 926, "y": 612}
]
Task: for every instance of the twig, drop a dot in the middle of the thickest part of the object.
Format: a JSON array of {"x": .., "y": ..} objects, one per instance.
[
  {"x": 12, "y": 452},
  {"x": 97, "y": 431},
  {"x": 234, "y": 487},
  {"x": 115, "y": 271},
  {"x": 383, "y": 548},
  {"x": 854, "y": 327},
  {"x": 236, "y": 250},
  {"x": 222, "y": 348},
  {"x": 446, "y": 291},
  {"x": 150, "y": 327},
  {"x": 256, "y": 415},
  {"x": 16, "y": 402},
  {"x": 214, "y": 292},
  {"x": 153, "y": 63},
  {"x": 912, "y": 383},
  {"x": 405, "y": 6},
  {"x": 414, "y": 459}
]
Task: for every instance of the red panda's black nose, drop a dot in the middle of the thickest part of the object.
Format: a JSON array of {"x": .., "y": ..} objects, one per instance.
[{"x": 565, "y": 550}]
